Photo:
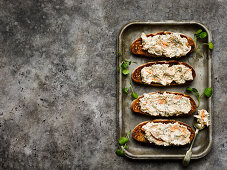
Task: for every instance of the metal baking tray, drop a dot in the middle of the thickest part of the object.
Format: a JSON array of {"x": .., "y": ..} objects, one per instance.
[{"x": 128, "y": 120}]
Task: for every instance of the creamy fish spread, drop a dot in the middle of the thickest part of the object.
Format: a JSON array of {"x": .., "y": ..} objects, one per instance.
[
  {"x": 203, "y": 117},
  {"x": 166, "y": 104},
  {"x": 166, "y": 74},
  {"x": 169, "y": 45},
  {"x": 167, "y": 134}
]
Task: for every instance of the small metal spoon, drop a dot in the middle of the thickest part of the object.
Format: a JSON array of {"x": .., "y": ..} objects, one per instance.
[{"x": 188, "y": 155}]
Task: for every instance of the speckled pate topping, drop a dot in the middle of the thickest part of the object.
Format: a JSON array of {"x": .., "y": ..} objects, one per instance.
[
  {"x": 166, "y": 74},
  {"x": 169, "y": 45},
  {"x": 166, "y": 104},
  {"x": 167, "y": 134}
]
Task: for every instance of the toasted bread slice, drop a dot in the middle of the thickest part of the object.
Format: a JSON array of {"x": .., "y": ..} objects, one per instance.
[
  {"x": 136, "y": 75},
  {"x": 136, "y": 105},
  {"x": 138, "y": 133},
  {"x": 137, "y": 47}
]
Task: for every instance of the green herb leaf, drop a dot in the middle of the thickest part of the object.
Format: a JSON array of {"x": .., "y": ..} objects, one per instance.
[
  {"x": 196, "y": 92},
  {"x": 124, "y": 65},
  {"x": 123, "y": 140},
  {"x": 208, "y": 92},
  {"x": 125, "y": 90},
  {"x": 125, "y": 147},
  {"x": 211, "y": 45},
  {"x": 203, "y": 35},
  {"x": 134, "y": 95},
  {"x": 188, "y": 89},
  {"x": 125, "y": 72},
  {"x": 120, "y": 152},
  {"x": 198, "y": 31}
]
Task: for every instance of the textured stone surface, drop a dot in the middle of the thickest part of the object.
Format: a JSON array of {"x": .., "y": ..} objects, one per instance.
[{"x": 58, "y": 80}]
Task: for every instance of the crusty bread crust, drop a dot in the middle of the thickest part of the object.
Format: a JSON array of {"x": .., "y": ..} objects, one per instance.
[
  {"x": 136, "y": 75},
  {"x": 136, "y": 106},
  {"x": 138, "y": 133},
  {"x": 136, "y": 46}
]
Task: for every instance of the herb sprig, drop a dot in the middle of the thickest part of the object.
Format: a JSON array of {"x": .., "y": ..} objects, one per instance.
[
  {"x": 124, "y": 65},
  {"x": 125, "y": 71},
  {"x": 207, "y": 92},
  {"x": 123, "y": 142},
  {"x": 126, "y": 90},
  {"x": 200, "y": 34}
]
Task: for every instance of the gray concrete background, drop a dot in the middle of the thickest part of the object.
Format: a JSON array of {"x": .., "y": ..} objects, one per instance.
[{"x": 58, "y": 81}]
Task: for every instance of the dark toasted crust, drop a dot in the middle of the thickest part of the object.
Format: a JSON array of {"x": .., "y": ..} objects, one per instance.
[
  {"x": 136, "y": 105},
  {"x": 138, "y": 133},
  {"x": 136, "y": 75},
  {"x": 136, "y": 46}
]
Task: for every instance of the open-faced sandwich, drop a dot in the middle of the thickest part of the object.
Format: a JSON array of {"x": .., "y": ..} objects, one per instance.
[
  {"x": 164, "y": 104},
  {"x": 164, "y": 73},
  {"x": 163, "y": 44},
  {"x": 164, "y": 133}
]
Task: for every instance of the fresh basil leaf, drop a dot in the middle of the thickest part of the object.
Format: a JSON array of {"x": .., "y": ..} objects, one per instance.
[
  {"x": 188, "y": 89},
  {"x": 198, "y": 31},
  {"x": 211, "y": 45},
  {"x": 125, "y": 90},
  {"x": 134, "y": 95},
  {"x": 125, "y": 147},
  {"x": 123, "y": 140},
  {"x": 125, "y": 72},
  {"x": 208, "y": 92},
  {"x": 203, "y": 35},
  {"x": 120, "y": 152}
]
